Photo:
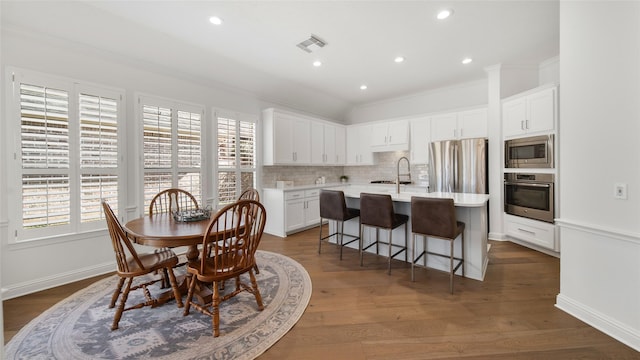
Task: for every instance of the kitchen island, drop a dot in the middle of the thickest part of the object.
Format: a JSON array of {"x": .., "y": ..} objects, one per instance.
[{"x": 470, "y": 209}]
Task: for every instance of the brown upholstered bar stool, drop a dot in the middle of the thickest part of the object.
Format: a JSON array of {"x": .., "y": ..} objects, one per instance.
[
  {"x": 431, "y": 217},
  {"x": 334, "y": 207},
  {"x": 376, "y": 210}
]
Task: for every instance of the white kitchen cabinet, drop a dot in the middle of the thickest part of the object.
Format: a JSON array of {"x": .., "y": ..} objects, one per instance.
[
  {"x": 359, "y": 145},
  {"x": 533, "y": 112},
  {"x": 286, "y": 139},
  {"x": 536, "y": 233},
  {"x": 420, "y": 138},
  {"x": 302, "y": 209},
  {"x": 327, "y": 144},
  {"x": 390, "y": 136},
  {"x": 466, "y": 124},
  {"x": 291, "y": 210}
]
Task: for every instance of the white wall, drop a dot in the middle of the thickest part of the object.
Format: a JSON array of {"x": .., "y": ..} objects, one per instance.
[
  {"x": 443, "y": 99},
  {"x": 600, "y": 146}
]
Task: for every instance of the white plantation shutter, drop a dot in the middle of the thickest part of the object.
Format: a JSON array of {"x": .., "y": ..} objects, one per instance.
[
  {"x": 157, "y": 137},
  {"x": 236, "y": 163},
  {"x": 44, "y": 114},
  {"x": 98, "y": 155},
  {"x": 172, "y": 148},
  {"x": 67, "y": 155},
  {"x": 247, "y": 132},
  {"x": 44, "y": 128}
]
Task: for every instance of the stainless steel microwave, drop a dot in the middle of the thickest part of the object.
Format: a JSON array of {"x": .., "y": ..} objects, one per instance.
[{"x": 529, "y": 152}]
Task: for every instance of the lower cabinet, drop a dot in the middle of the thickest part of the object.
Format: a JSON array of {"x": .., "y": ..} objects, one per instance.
[
  {"x": 289, "y": 211},
  {"x": 302, "y": 209},
  {"x": 537, "y": 233}
]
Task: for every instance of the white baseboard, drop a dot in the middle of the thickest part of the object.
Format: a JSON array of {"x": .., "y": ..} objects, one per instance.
[
  {"x": 609, "y": 326},
  {"x": 35, "y": 285}
]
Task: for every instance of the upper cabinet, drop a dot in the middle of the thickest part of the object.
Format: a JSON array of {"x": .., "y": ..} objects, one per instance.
[
  {"x": 466, "y": 124},
  {"x": 359, "y": 145},
  {"x": 420, "y": 138},
  {"x": 291, "y": 139},
  {"x": 390, "y": 136},
  {"x": 327, "y": 144},
  {"x": 532, "y": 112}
]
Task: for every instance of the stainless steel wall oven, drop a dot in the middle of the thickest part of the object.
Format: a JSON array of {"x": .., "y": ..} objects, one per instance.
[{"x": 529, "y": 195}]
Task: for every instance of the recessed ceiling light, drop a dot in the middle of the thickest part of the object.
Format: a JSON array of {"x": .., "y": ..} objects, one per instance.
[
  {"x": 363, "y": 87},
  {"x": 215, "y": 20},
  {"x": 399, "y": 59},
  {"x": 317, "y": 63},
  {"x": 467, "y": 60},
  {"x": 443, "y": 14}
]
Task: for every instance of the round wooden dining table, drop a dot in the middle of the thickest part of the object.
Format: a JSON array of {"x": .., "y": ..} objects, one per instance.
[{"x": 162, "y": 230}]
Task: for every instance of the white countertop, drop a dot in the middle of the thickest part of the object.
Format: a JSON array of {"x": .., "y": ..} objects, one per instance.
[
  {"x": 459, "y": 199},
  {"x": 406, "y": 192}
]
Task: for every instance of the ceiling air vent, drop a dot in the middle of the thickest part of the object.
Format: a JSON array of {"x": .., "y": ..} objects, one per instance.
[{"x": 312, "y": 40}]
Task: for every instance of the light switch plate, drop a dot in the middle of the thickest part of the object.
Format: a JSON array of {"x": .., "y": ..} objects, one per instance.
[{"x": 620, "y": 191}]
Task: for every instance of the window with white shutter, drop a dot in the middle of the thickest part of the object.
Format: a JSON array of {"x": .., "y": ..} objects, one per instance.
[
  {"x": 236, "y": 165},
  {"x": 67, "y": 156},
  {"x": 172, "y": 147}
]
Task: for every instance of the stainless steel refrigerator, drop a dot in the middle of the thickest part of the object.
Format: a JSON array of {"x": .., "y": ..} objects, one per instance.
[{"x": 458, "y": 166}]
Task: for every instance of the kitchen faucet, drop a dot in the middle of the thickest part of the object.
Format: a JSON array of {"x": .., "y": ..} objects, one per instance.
[{"x": 408, "y": 173}]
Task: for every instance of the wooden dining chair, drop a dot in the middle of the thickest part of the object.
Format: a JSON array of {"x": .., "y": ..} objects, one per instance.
[
  {"x": 171, "y": 200},
  {"x": 228, "y": 252},
  {"x": 250, "y": 194},
  {"x": 131, "y": 265}
]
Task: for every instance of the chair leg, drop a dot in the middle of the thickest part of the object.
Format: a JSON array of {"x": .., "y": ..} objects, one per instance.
[
  {"x": 320, "y": 238},
  {"x": 462, "y": 254},
  {"x": 123, "y": 301},
  {"x": 174, "y": 286},
  {"x": 360, "y": 243},
  {"x": 406, "y": 242},
  {"x": 413, "y": 257},
  {"x": 341, "y": 236},
  {"x": 451, "y": 268},
  {"x": 256, "y": 291},
  {"x": 390, "y": 251},
  {"x": 377, "y": 243},
  {"x": 116, "y": 293},
  {"x": 192, "y": 286},
  {"x": 215, "y": 304}
]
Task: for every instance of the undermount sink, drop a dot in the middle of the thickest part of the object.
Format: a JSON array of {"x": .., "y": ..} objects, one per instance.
[{"x": 390, "y": 182}]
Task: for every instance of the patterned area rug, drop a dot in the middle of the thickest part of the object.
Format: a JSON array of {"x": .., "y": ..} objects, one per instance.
[{"x": 79, "y": 327}]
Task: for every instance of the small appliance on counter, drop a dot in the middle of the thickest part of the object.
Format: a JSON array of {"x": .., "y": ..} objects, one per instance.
[{"x": 283, "y": 184}]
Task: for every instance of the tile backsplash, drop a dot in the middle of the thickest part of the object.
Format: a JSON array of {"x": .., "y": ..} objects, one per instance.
[{"x": 385, "y": 169}]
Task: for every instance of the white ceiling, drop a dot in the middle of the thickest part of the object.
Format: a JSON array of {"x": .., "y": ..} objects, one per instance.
[{"x": 255, "y": 48}]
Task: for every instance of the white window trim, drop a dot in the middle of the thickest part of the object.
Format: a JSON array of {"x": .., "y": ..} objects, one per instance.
[{"x": 13, "y": 77}]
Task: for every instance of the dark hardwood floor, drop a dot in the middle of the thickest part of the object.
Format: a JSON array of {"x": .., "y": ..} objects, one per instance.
[{"x": 363, "y": 313}]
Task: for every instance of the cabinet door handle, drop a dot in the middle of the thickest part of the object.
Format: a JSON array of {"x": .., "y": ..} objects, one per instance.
[
  {"x": 521, "y": 124},
  {"x": 526, "y": 124}
]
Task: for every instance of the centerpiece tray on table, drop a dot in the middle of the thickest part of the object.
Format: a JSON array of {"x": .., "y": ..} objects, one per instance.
[{"x": 192, "y": 215}]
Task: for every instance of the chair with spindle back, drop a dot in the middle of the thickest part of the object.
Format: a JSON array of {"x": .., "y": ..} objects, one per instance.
[
  {"x": 131, "y": 265},
  {"x": 250, "y": 194},
  {"x": 228, "y": 252},
  {"x": 172, "y": 200}
]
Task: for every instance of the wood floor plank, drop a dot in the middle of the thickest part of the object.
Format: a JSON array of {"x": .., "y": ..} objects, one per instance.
[{"x": 360, "y": 312}]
